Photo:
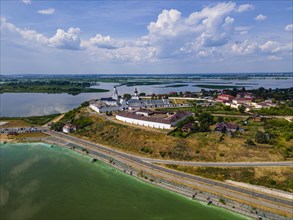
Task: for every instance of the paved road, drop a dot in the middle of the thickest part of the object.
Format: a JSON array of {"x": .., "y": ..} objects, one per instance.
[
  {"x": 221, "y": 164},
  {"x": 179, "y": 175}
]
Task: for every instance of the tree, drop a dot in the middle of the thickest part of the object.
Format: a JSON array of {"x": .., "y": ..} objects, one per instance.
[
  {"x": 220, "y": 119},
  {"x": 58, "y": 126},
  {"x": 250, "y": 142},
  {"x": 126, "y": 96},
  {"x": 261, "y": 138},
  {"x": 206, "y": 118},
  {"x": 204, "y": 127},
  {"x": 241, "y": 108}
]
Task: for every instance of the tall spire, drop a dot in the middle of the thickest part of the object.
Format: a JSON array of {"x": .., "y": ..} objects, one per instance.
[
  {"x": 135, "y": 96},
  {"x": 115, "y": 93}
]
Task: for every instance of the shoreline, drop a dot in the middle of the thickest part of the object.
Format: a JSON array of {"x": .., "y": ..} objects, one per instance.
[
  {"x": 146, "y": 178},
  {"x": 183, "y": 187}
]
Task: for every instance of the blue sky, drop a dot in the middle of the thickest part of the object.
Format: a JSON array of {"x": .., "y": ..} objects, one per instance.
[{"x": 145, "y": 36}]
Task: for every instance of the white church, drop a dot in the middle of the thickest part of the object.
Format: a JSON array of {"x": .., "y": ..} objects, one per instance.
[{"x": 115, "y": 103}]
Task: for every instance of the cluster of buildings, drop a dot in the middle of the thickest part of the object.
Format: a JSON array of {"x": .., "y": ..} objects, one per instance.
[
  {"x": 138, "y": 111},
  {"x": 116, "y": 103},
  {"x": 245, "y": 99}
]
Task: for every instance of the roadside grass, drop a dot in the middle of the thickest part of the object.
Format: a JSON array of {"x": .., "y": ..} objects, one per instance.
[
  {"x": 28, "y": 135},
  {"x": 27, "y": 121},
  {"x": 273, "y": 177}
]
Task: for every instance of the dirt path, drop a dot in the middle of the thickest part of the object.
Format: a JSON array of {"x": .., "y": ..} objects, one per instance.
[{"x": 54, "y": 120}]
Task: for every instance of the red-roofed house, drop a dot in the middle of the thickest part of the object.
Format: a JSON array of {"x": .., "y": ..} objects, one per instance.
[{"x": 225, "y": 98}]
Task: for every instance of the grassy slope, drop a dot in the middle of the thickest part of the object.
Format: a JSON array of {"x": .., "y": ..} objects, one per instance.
[
  {"x": 200, "y": 146},
  {"x": 273, "y": 177}
]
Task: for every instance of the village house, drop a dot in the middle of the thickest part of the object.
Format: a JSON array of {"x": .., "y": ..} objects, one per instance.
[
  {"x": 224, "y": 98},
  {"x": 257, "y": 118},
  {"x": 68, "y": 128},
  {"x": 187, "y": 127},
  {"x": 246, "y": 95},
  {"x": 226, "y": 127}
]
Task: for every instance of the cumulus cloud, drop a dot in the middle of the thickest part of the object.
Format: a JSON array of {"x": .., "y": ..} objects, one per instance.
[
  {"x": 105, "y": 42},
  {"x": 27, "y": 34},
  {"x": 207, "y": 33},
  {"x": 48, "y": 11},
  {"x": 69, "y": 40},
  {"x": 172, "y": 34},
  {"x": 289, "y": 27},
  {"x": 260, "y": 17},
  {"x": 166, "y": 24},
  {"x": 27, "y": 2}
]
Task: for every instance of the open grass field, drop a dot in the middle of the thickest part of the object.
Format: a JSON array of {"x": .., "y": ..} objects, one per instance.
[{"x": 14, "y": 123}]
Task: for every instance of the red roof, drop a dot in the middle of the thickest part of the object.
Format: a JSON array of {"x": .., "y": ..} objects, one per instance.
[{"x": 226, "y": 95}]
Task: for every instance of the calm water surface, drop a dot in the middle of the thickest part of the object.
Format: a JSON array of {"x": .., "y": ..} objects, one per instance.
[
  {"x": 33, "y": 104},
  {"x": 39, "y": 182}
]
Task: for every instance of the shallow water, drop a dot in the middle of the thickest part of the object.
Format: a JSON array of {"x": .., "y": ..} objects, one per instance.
[
  {"x": 39, "y": 182},
  {"x": 33, "y": 104}
]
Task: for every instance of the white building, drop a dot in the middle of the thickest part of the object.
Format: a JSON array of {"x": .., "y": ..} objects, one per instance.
[
  {"x": 148, "y": 118},
  {"x": 68, "y": 128},
  {"x": 101, "y": 107}
]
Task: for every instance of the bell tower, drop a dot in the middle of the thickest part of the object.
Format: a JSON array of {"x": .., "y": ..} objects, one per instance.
[
  {"x": 135, "y": 96},
  {"x": 115, "y": 93}
]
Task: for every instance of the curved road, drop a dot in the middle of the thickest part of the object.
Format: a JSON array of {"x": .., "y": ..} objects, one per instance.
[{"x": 144, "y": 162}]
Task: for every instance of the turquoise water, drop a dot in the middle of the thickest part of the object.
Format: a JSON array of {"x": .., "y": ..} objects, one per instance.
[{"x": 39, "y": 182}]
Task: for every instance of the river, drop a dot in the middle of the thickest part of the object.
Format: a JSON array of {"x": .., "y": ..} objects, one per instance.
[
  {"x": 35, "y": 104},
  {"x": 39, "y": 182}
]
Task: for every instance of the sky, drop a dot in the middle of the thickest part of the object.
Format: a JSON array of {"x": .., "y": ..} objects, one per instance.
[{"x": 147, "y": 36}]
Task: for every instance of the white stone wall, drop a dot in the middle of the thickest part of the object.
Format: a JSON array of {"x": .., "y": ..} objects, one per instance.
[
  {"x": 143, "y": 123},
  {"x": 95, "y": 108},
  {"x": 106, "y": 109}
]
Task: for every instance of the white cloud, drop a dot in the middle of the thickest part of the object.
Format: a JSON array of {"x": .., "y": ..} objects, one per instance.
[
  {"x": 260, "y": 17},
  {"x": 172, "y": 34},
  {"x": 166, "y": 23},
  {"x": 105, "y": 42},
  {"x": 242, "y": 30},
  {"x": 245, "y": 7},
  {"x": 27, "y": 2},
  {"x": 245, "y": 48},
  {"x": 26, "y": 34},
  {"x": 69, "y": 40},
  {"x": 289, "y": 27},
  {"x": 205, "y": 34},
  {"x": 270, "y": 46},
  {"x": 48, "y": 11}
]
